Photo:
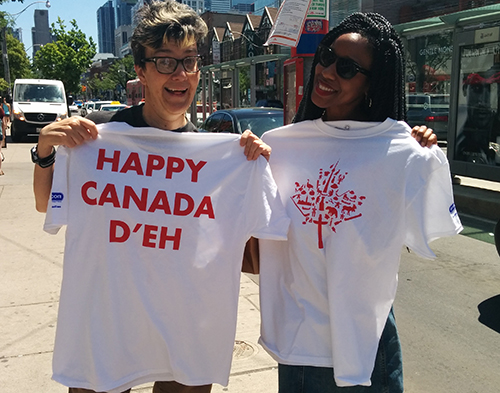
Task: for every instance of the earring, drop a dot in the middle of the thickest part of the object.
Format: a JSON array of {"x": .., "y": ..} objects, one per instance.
[{"x": 368, "y": 101}]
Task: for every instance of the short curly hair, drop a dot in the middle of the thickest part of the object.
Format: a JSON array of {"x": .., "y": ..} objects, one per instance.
[
  {"x": 163, "y": 21},
  {"x": 387, "y": 84}
]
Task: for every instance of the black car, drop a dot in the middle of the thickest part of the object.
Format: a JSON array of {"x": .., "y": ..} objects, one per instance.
[
  {"x": 236, "y": 121},
  {"x": 269, "y": 103},
  {"x": 430, "y": 110}
]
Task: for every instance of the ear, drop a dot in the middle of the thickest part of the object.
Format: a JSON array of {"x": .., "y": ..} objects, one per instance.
[{"x": 140, "y": 73}]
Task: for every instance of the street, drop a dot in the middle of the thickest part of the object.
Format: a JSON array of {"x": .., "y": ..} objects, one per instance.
[{"x": 447, "y": 310}]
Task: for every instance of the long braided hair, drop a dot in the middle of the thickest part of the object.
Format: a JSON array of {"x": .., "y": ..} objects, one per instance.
[{"x": 386, "y": 95}]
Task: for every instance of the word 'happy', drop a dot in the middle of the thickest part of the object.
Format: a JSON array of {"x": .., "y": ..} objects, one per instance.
[{"x": 153, "y": 163}]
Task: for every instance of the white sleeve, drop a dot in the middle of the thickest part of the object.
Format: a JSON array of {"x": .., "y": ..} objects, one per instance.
[
  {"x": 431, "y": 213},
  {"x": 57, "y": 211},
  {"x": 266, "y": 216}
]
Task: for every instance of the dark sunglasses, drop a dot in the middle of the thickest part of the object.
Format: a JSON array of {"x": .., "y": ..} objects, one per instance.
[{"x": 346, "y": 68}]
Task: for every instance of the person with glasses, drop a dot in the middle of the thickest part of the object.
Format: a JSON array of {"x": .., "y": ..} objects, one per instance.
[
  {"x": 165, "y": 50},
  {"x": 358, "y": 188}
]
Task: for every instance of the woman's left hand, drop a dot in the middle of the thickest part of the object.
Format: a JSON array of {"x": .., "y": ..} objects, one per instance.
[
  {"x": 254, "y": 147},
  {"x": 425, "y": 136}
]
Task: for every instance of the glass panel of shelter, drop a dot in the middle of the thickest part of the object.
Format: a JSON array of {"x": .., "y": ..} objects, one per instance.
[
  {"x": 428, "y": 81},
  {"x": 478, "y": 115}
]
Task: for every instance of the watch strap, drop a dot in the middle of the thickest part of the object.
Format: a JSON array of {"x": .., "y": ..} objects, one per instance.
[{"x": 44, "y": 162}]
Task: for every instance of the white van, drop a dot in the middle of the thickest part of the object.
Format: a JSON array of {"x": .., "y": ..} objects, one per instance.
[{"x": 36, "y": 103}]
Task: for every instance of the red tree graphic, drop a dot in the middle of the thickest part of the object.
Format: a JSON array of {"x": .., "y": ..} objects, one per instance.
[{"x": 324, "y": 203}]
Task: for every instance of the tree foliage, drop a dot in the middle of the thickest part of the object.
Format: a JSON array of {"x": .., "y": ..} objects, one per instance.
[
  {"x": 3, "y": 85},
  {"x": 66, "y": 58},
  {"x": 19, "y": 64},
  {"x": 121, "y": 71}
]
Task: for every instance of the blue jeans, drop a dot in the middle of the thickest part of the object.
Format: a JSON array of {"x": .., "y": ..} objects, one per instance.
[{"x": 387, "y": 376}]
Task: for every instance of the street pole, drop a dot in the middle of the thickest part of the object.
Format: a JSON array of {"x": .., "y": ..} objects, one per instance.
[{"x": 5, "y": 58}]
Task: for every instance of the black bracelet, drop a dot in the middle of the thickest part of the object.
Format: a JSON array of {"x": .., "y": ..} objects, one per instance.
[{"x": 43, "y": 162}]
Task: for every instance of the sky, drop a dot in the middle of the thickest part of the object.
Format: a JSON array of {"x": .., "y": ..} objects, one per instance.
[{"x": 83, "y": 11}]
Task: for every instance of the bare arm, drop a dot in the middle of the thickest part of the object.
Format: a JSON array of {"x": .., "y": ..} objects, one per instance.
[{"x": 69, "y": 132}]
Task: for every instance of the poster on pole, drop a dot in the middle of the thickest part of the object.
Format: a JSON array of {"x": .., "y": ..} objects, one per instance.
[{"x": 290, "y": 20}]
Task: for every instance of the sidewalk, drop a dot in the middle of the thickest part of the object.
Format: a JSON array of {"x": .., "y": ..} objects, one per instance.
[
  {"x": 31, "y": 265},
  {"x": 480, "y": 198}
]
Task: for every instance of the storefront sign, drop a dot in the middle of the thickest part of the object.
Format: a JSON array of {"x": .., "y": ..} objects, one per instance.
[
  {"x": 487, "y": 35},
  {"x": 293, "y": 16}
]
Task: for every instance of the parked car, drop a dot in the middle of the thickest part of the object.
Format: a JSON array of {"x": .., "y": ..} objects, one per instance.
[
  {"x": 98, "y": 104},
  {"x": 269, "y": 103},
  {"x": 91, "y": 106},
  {"x": 112, "y": 107},
  {"x": 430, "y": 110},
  {"x": 87, "y": 108},
  {"x": 73, "y": 110},
  {"x": 258, "y": 120}
]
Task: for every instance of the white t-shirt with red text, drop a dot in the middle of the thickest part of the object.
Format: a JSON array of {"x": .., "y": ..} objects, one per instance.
[
  {"x": 156, "y": 224},
  {"x": 356, "y": 194}
]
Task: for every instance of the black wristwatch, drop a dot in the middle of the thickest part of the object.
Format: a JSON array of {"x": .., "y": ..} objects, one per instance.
[{"x": 43, "y": 162}]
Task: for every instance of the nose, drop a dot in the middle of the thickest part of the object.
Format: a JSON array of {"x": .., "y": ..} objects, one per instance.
[
  {"x": 330, "y": 72},
  {"x": 179, "y": 70}
]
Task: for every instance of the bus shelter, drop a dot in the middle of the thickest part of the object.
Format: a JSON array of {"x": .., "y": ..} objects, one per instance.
[
  {"x": 239, "y": 83},
  {"x": 452, "y": 85}
]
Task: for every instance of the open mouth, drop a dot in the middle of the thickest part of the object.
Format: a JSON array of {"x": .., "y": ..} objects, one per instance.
[
  {"x": 324, "y": 89},
  {"x": 176, "y": 91}
]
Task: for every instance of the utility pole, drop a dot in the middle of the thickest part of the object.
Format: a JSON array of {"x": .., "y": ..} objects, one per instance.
[{"x": 5, "y": 58}]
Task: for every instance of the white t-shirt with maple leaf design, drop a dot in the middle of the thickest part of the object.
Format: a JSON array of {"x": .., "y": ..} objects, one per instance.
[{"x": 356, "y": 194}]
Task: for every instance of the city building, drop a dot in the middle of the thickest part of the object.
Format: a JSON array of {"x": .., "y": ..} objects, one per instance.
[
  {"x": 123, "y": 26},
  {"x": 122, "y": 40},
  {"x": 258, "y": 5},
  {"x": 123, "y": 12},
  {"x": 106, "y": 28},
  {"x": 246, "y": 8},
  {"x": 17, "y": 34},
  {"x": 40, "y": 34},
  {"x": 197, "y": 5},
  {"x": 220, "y": 6}
]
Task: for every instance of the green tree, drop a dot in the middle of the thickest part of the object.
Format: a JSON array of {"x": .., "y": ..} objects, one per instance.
[
  {"x": 3, "y": 85},
  {"x": 121, "y": 71},
  {"x": 244, "y": 80},
  {"x": 19, "y": 63},
  {"x": 99, "y": 85},
  {"x": 67, "y": 58}
]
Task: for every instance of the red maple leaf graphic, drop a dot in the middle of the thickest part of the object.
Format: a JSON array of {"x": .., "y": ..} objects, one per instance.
[{"x": 324, "y": 203}]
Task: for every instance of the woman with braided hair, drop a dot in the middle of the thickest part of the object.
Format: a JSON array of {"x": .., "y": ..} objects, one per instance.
[{"x": 357, "y": 188}]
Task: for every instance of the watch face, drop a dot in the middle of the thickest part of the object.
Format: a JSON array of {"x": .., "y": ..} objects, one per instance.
[{"x": 34, "y": 155}]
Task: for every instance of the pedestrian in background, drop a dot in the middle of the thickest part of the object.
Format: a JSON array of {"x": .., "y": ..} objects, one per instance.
[
  {"x": 357, "y": 188},
  {"x": 2, "y": 138},
  {"x": 6, "y": 119}
]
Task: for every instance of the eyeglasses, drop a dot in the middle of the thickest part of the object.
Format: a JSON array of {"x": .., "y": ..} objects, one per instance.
[
  {"x": 168, "y": 65},
  {"x": 346, "y": 68}
]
